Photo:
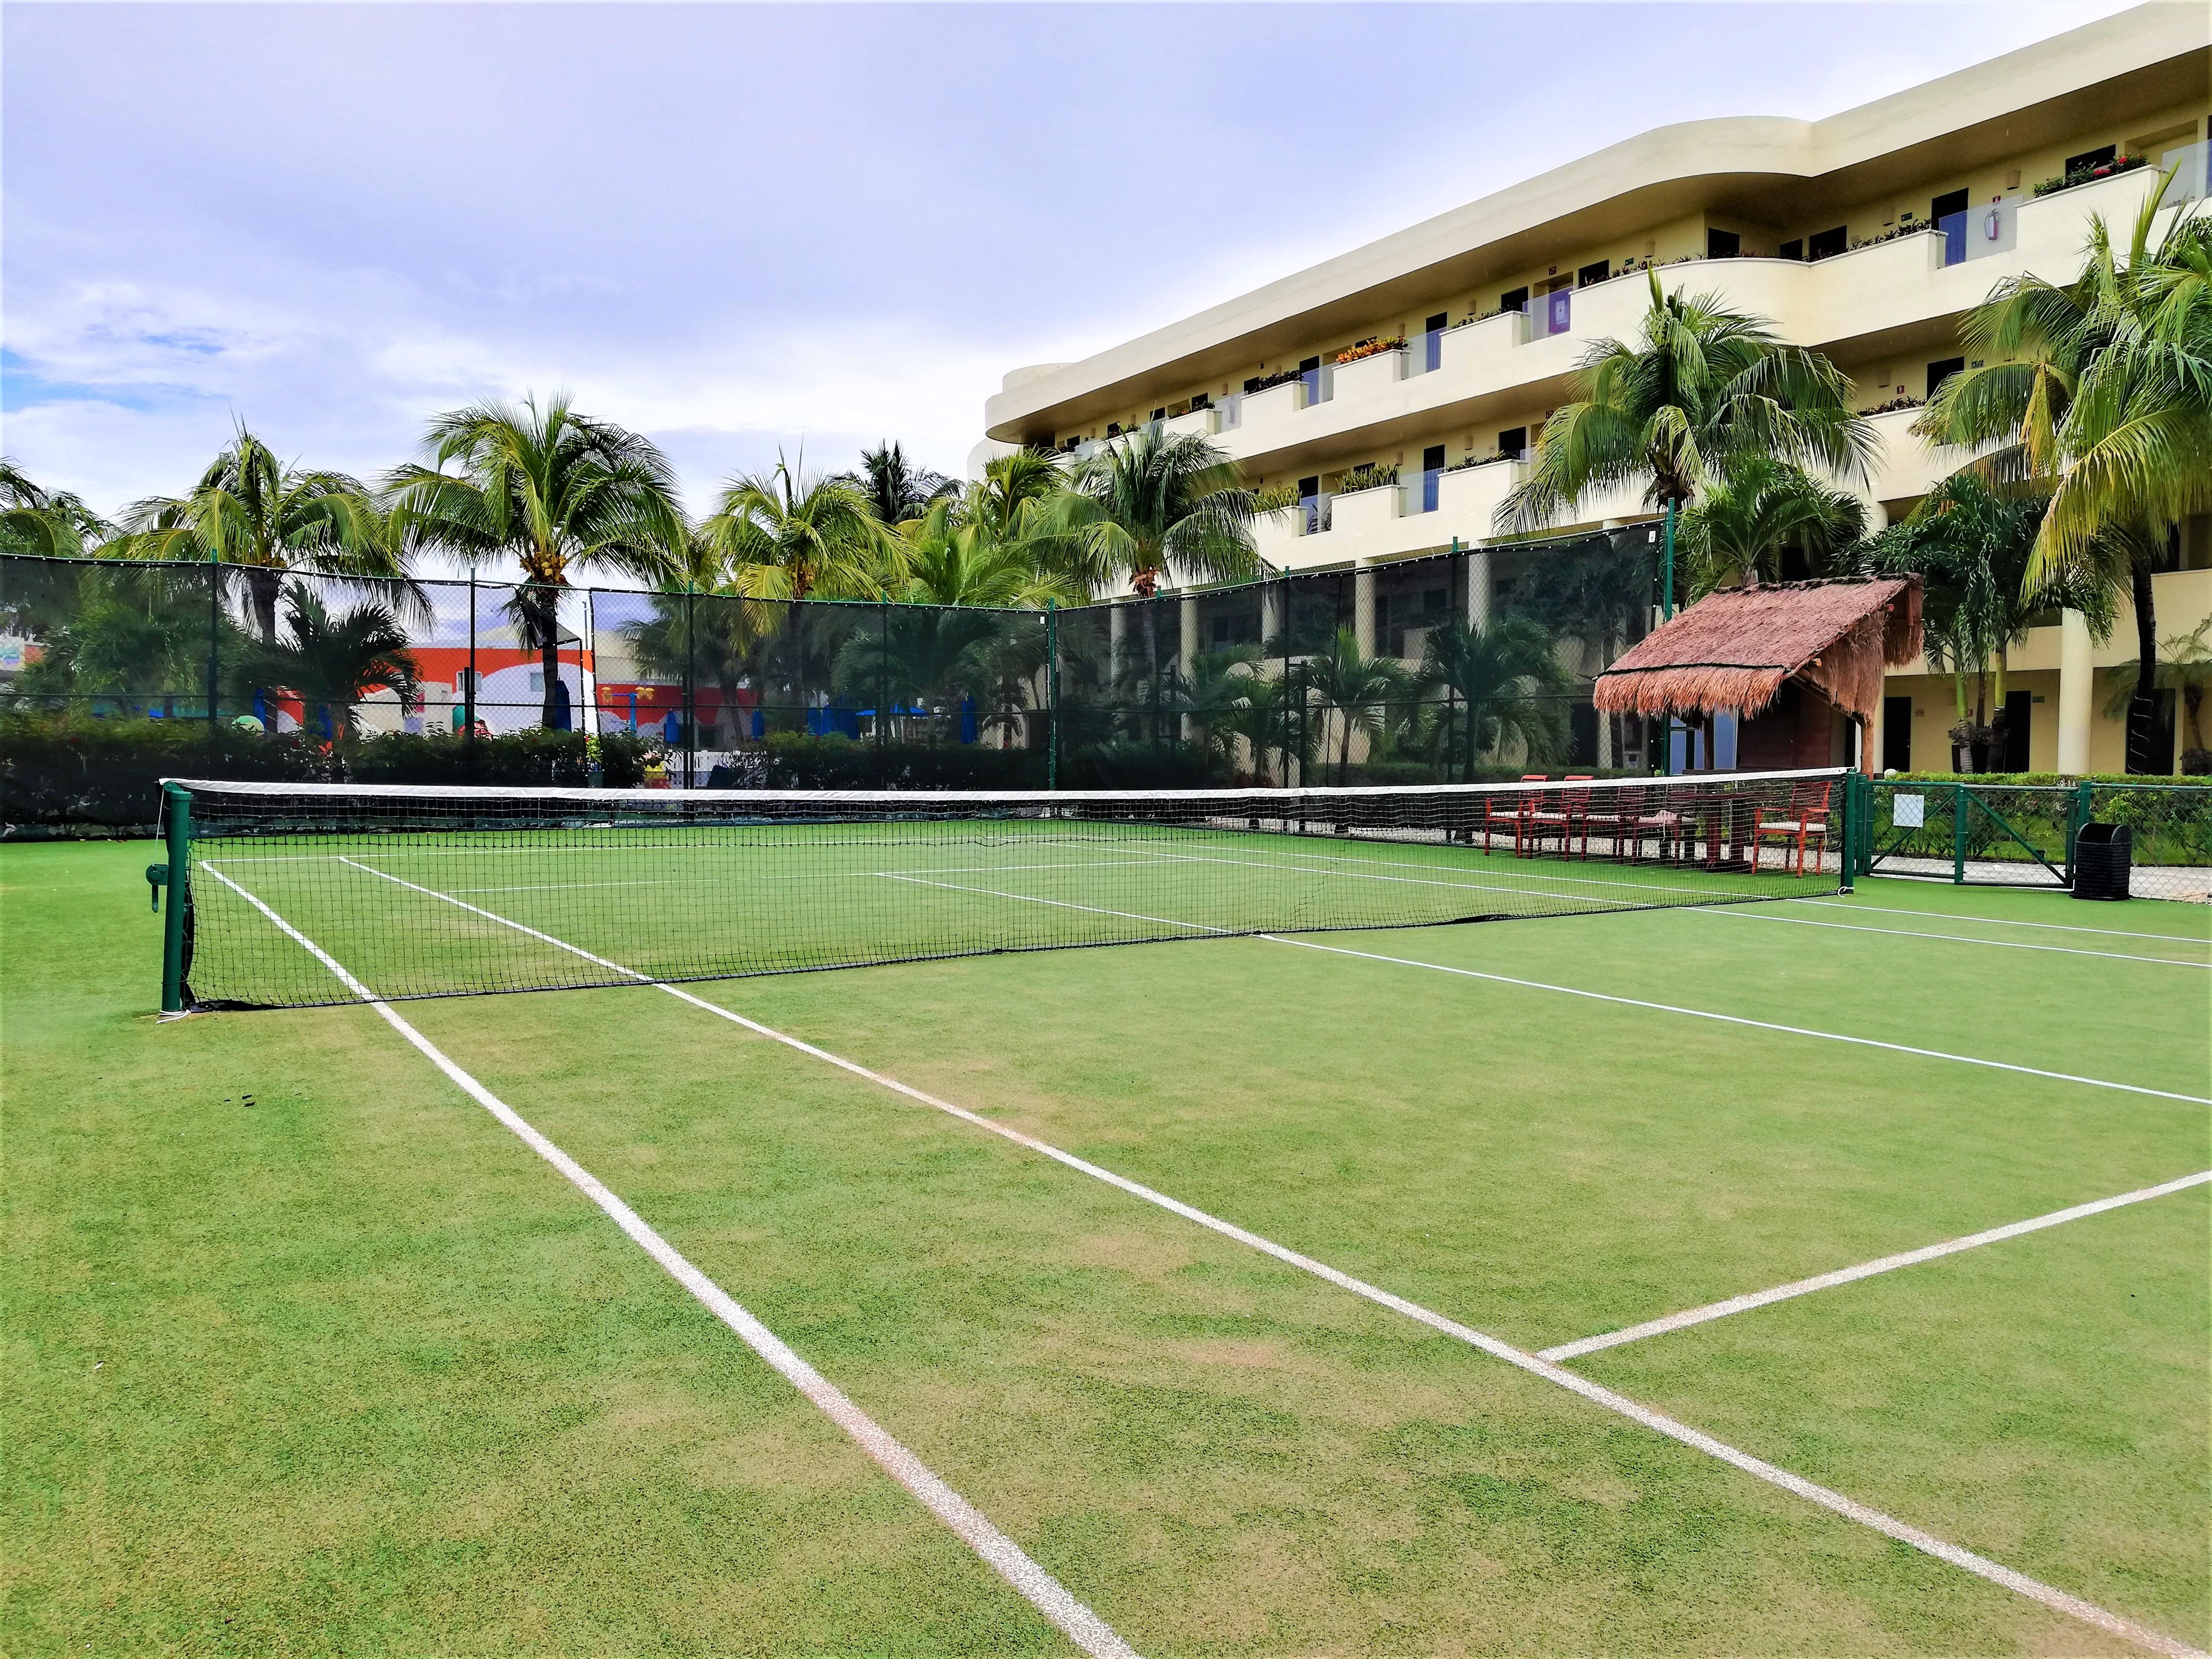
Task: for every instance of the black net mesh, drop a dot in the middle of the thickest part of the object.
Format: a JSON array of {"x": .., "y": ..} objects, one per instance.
[{"x": 428, "y": 892}]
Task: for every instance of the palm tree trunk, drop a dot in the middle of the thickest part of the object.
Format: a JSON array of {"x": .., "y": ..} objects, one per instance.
[
  {"x": 2143, "y": 708},
  {"x": 262, "y": 584}
]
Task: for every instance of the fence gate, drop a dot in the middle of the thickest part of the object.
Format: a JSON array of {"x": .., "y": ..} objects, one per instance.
[{"x": 2003, "y": 835}]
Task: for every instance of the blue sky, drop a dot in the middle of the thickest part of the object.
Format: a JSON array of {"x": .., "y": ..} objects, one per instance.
[{"x": 738, "y": 227}]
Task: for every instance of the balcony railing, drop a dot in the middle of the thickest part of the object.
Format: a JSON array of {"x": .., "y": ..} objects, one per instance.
[
  {"x": 1313, "y": 514},
  {"x": 1419, "y": 492},
  {"x": 2191, "y": 167}
]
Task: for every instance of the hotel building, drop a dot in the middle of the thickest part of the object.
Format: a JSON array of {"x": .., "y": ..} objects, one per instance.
[{"x": 1437, "y": 352}]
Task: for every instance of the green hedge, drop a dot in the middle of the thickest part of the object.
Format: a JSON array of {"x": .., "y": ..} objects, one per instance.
[{"x": 69, "y": 773}]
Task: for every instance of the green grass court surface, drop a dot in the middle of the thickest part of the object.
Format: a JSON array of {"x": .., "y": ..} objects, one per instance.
[{"x": 307, "y": 1351}]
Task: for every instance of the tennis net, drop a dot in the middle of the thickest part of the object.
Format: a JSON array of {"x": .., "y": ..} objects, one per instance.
[{"x": 438, "y": 891}]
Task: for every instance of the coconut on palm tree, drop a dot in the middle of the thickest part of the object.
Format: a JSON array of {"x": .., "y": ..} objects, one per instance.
[
  {"x": 251, "y": 511},
  {"x": 1702, "y": 390},
  {"x": 556, "y": 491},
  {"x": 2099, "y": 393}
]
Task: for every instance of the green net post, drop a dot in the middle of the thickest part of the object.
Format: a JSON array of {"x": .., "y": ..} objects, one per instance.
[
  {"x": 178, "y": 879},
  {"x": 1848, "y": 838}
]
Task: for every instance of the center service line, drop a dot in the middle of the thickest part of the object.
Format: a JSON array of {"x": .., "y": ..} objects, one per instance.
[
  {"x": 1996, "y": 1573},
  {"x": 969, "y": 1524}
]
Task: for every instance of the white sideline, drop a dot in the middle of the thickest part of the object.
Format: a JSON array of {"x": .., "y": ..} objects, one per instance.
[
  {"x": 1955, "y": 939},
  {"x": 2058, "y": 1599},
  {"x": 1740, "y": 1019},
  {"x": 1998, "y": 921},
  {"x": 969, "y": 1524},
  {"x": 1736, "y": 1304}
]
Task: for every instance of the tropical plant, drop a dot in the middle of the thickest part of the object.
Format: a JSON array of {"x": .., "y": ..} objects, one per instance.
[
  {"x": 894, "y": 488},
  {"x": 552, "y": 489},
  {"x": 788, "y": 534},
  {"x": 1154, "y": 504},
  {"x": 1367, "y": 475},
  {"x": 1510, "y": 679},
  {"x": 709, "y": 631},
  {"x": 139, "y": 637},
  {"x": 1702, "y": 390},
  {"x": 1274, "y": 498},
  {"x": 251, "y": 512},
  {"x": 1345, "y": 681},
  {"x": 1767, "y": 521},
  {"x": 330, "y": 662},
  {"x": 2100, "y": 393},
  {"x": 1262, "y": 718},
  {"x": 1215, "y": 691},
  {"x": 957, "y": 553},
  {"x": 2184, "y": 667},
  {"x": 54, "y": 523},
  {"x": 1971, "y": 544}
]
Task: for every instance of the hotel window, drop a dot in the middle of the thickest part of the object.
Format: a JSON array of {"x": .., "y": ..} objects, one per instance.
[
  {"x": 1792, "y": 249},
  {"x": 1942, "y": 370},
  {"x": 1723, "y": 244},
  {"x": 1513, "y": 441},
  {"x": 1596, "y": 272},
  {"x": 1826, "y": 244},
  {"x": 1514, "y": 298}
]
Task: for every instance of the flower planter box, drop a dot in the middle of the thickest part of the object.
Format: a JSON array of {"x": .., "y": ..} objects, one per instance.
[
  {"x": 1366, "y": 510},
  {"x": 1203, "y": 422},
  {"x": 1272, "y": 406}
]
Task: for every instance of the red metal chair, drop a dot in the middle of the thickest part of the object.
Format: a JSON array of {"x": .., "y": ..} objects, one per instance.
[
  {"x": 1561, "y": 813},
  {"x": 1516, "y": 816},
  {"x": 1805, "y": 821}
]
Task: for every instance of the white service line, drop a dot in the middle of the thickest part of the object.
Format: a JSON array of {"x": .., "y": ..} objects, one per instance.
[
  {"x": 2058, "y": 1599},
  {"x": 969, "y": 1524},
  {"x": 1281, "y": 868},
  {"x": 1951, "y": 938},
  {"x": 841, "y": 875},
  {"x": 1998, "y": 921},
  {"x": 1555, "y": 876},
  {"x": 1739, "y": 1019},
  {"x": 1736, "y": 1304},
  {"x": 1057, "y": 904}
]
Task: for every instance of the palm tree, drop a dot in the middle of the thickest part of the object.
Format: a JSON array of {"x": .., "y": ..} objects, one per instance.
[
  {"x": 1357, "y": 687},
  {"x": 960, "y": 552},
  {"x": 2185, "y": 667},
  {"x": 251, "y": 511},
  {"x": 2100, "y": 393},
  {"x": 1509, "y": 675},
  {"x": 1263, "y": 720},
  {"x": 1971, "y": 544},
  {"x": 51, "y": 524},
  {"x": 1217, "y": 691},
  {"x": 329, "y": 662},
  {"x": 893, "y": 487},
  {"x": 1151, "y": 504},
  {"x": 552, "y": 489},
  {"x": 787, "y": 534},
  {"x": 1751, "y": 522},
  {"x": 1704, "y": 389}
]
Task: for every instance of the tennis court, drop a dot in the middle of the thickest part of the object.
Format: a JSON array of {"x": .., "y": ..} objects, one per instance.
[{"x": 1353, "y": 1284}]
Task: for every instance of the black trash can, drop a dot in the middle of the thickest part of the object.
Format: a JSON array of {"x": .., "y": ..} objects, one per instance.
[{"x": 2103, "y": 855}]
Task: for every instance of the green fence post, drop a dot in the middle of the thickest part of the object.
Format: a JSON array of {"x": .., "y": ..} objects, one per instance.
[
  {"x": 2078, "y": 814},
  {"x": 1958, "y": 804},
  {"x": 179, "y": 804}
]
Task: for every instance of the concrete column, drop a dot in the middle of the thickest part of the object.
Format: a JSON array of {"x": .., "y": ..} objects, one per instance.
[
  {"x": 1363, "y": 607},
  {"x": 1271, "y": 614},
  {"x": 1477, "y": 589},
  {"x": 1186, "y": 614},
  {"x": 2076, "y": 691},
  {"x": 1117, "y": 630}
]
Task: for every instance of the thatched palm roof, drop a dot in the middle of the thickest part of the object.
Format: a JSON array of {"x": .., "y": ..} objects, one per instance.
[{"x": 1733, "y": 649}]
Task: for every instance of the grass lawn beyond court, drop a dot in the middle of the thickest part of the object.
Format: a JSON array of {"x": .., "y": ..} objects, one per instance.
[{"x": 306, "y": 1352}]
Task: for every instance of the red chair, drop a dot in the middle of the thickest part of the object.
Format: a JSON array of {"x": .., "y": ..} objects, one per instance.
[
  {"x": 1561, "y": 814},
  {"x": 1516, "y": 816},
  {"x": 1805, "y": 821}
]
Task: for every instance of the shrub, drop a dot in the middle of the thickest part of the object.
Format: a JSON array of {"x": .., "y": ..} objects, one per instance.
[
  {"x": 1370, "y": 475},
  {"x": 1373, "y": 346}
]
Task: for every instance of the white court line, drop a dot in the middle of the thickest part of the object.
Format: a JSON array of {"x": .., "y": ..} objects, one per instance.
[
  {"x": 1548, "y": 875},
  {"x": 2058, "y": 1600},
  {"x": 1361, "y": 875},
  {"x": 1955, "y": 938},
  {"x": 1057, "y": 904},
  {"x": 1999, "y": 921},
  {"x": 973, "y": 1527},
  {"x": 1739, "y": 1019},
  {"x": 1736, "y": 1304}
]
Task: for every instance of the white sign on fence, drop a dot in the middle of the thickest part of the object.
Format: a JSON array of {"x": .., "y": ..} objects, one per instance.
[{"x": 1908, "y": 811}]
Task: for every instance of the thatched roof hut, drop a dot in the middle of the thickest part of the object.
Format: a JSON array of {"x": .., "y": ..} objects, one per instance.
[{"x": 1735, "y": 650}]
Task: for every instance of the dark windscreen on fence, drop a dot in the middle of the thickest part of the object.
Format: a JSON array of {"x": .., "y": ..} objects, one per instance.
[{"x": 1467, "y": 666}]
